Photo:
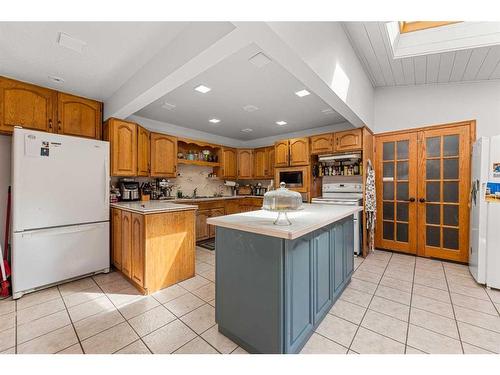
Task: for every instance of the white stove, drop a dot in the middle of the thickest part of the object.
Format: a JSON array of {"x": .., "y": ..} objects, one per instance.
[{"x": 348, "y": 193}]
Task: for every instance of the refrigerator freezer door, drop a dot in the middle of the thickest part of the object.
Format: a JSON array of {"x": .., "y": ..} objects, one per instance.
[
  {"x": 478, "y": 206},
  {"x": 58, "y": 180},
  {"x": 46, "y": 256}
]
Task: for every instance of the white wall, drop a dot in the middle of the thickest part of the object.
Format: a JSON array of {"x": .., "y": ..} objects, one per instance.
[
  {"x": 5, "y": 142},
  {"x": 325, "y": 47},
  {"x": 414, "y": 106}
]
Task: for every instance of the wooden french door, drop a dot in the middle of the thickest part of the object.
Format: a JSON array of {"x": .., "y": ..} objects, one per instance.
[
  {"x": 396, "y": 187},
  {"x": 443, "y": 191},
  {"x": 423, "y": 185}
]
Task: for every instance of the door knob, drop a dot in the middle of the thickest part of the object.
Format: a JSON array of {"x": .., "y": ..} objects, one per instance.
[{"x": 422, "y": 200}]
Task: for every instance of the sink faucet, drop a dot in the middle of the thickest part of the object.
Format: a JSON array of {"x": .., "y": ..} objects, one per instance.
[{"x": 194, "y": 192}]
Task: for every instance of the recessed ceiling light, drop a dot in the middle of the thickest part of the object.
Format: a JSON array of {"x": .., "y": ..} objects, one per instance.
[
  {"x": 247, "y": 130},
  {"x": 168, "y": 106},
  {"x": 69, "y": 42},
  {"x": 56, "y": 79},
  {"x": 281, "y": 123},
  {"x": 259, "y": 60},
  {"x": 202, "y": 89},
  {"x": 250, "y": 108},
  {"x": 302, "y": 93},
  {"x": 214, "y": 121},
  {"x": 327, "y": 111}
]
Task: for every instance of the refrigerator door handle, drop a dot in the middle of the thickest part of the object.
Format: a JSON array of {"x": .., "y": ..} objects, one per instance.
[
  {"x": 57, "y": 231},
  {"x": 106, "y": 183}
]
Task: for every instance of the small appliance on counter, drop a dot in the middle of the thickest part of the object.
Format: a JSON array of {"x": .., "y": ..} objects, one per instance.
[
  {"x": 233, "y": 185},
  {"x": 245, "y": 190},
  {"x": 260, "y": 190},
  {"x": 129, "y": 189}
]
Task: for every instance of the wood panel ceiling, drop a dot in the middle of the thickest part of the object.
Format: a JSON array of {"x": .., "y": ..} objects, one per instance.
[{"x": 373, "y": 49}]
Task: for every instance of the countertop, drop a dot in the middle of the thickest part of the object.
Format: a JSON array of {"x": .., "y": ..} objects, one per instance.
[
  {"x": 312, "y": 217},
  {"x": 149, "y": 207}
]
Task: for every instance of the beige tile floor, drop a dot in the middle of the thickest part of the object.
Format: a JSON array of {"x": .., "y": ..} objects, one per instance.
[{"x": 394, "y": 304}]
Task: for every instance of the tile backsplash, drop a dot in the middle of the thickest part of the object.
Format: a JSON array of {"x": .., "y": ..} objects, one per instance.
[{"x": 188, "y": 178}]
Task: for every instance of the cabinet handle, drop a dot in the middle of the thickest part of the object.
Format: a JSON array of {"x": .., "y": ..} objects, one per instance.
[
  {"x": 59, "y": 125},
  {"x": 50, "y": 123},
  {"x": 422, "y": 200}
]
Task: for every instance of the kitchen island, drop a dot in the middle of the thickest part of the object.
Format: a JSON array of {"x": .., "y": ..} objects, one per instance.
[
  {"x": 153, "y": 243},
  {"x": 275, "y": 284}
]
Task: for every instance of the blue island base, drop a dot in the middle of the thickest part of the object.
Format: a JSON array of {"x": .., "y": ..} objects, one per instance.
[{"x": 272, "y": 293}]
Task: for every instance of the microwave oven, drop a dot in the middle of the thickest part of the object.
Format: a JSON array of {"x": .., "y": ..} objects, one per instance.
[{"x": 295, "y": 178}]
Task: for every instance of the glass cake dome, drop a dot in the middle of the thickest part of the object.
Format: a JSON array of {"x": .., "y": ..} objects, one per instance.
[{"x": 282, "y": 200}]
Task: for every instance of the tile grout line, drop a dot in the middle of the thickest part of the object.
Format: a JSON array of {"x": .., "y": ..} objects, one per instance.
[
  {"x": 126, "y": 321},
  {"x": 71, "y": 321},
  {"x": 493, "y": 303},
  {"x": 411, "y": 299},
  {"x": 453, "y": 309},
  {"x": 371, "y": 299}
]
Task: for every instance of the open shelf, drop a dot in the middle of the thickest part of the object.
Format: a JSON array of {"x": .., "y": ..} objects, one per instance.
[{"x": 198, "y": 162}]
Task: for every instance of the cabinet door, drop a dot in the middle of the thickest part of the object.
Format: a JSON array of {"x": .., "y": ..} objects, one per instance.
[
  {"x": 337, "y": 234},
  {"x": 270, "y": 162},
  {"x": 245, "y": 164},
  {"x": 322, "y": 144},
  {"x": 126, "y": 243},
  {"x": 163, "y": 155},
  {"x": 323, "y": 292},
  {"x": 116, "y": 238},
  {"x": 348, "y": 228},
  {"x": 202, "y": 231},
  {"x": 78, "y": 116},
  {"x": 281, "y": 154},
  {"x": 122, "y": 136},
  {"x": 214, "y": 213},
  {"x": 142, "y": 151},
  {"x": 26, "y": 105},
  {"x": 349, "y": 140},
  {"x": 137, "y": 251},
  {"x": 299, "y": 151},
  {"x": 260, "y": 162},
  {"x": 229, "y": 163},
  {"x": 233, "y": 206}
]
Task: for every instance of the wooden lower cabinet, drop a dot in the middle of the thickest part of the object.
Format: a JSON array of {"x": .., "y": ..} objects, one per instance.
[
  {"x": 202, "y": 231},
  {"x": 214, "y": 213},
  {"x": 153, "y": 250}
]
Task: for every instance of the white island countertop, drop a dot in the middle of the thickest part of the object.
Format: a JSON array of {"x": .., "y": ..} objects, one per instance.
[
  {"x": 153, "y": 207},
  {"x": 310, "y": 218}
]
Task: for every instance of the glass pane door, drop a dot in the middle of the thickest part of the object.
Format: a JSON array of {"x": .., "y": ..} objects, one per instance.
[
  {"x": 443, "y": 192},
  {"x": 396, "y": 189}
]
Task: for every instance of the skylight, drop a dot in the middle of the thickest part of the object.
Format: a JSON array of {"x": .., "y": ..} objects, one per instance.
[{"x": 410, "y": 26}]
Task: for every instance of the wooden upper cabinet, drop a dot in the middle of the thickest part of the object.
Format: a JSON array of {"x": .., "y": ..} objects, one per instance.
[
  {"x": 29, "y": 106},
  {"x": 143, "y": 166},
  {"x": 163, "y": 155},
  {"x": 299, "y": 151},
  {"x": 322, "y": 144},
  {"x": 137, "y": 251},
  {"x": 270, "y": 162},
  {"x": 245, "y": 163},
  {"x": 260, "y": 162},
  {"x": 229, "y": 163},
  {"x": 281, "y": 154},
  {"x": 78, "y": 116},
  {"x": 349, "y": 140},
  {"x": 122, "y": 136}
]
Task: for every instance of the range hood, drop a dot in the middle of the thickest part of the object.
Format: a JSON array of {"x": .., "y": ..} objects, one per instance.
[{"x": 339, "y": 157}]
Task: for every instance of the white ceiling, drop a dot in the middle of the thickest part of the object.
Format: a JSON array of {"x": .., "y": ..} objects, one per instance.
[
  {"x": 235, "y": 83},
  {"x": 372, "y": 46},
  {"x": 114, "y": 51}
]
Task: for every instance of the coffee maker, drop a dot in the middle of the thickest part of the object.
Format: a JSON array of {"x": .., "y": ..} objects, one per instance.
[{"x": 129, "y": 189}]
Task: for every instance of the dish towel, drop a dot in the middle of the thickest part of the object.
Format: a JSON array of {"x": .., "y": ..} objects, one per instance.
[{"x": 370, "y": 205}]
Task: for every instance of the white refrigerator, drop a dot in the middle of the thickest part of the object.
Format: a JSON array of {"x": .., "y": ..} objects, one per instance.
[
  {"x": 484, "y": 251},
  {"x": 60, "y": 202}
]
